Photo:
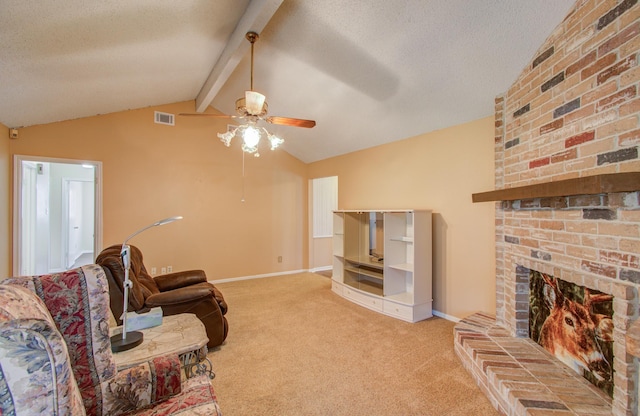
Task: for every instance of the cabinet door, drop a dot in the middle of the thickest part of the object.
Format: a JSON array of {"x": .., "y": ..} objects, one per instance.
[
  {"x": 338, "y": 246},
  {"x": 362, "y": 264}
]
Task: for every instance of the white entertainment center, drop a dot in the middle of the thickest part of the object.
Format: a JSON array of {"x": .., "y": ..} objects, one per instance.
[{"x": 382, "y": 261}]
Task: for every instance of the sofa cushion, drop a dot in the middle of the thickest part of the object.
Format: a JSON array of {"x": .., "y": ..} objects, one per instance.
[
  {"x": 35, "y": 374},
  {"x": 144, "y": 385},
  {"x": 197, "y": 399},
  {"x": 78, "y": 301},
  {"x": 72, "y": 308}
]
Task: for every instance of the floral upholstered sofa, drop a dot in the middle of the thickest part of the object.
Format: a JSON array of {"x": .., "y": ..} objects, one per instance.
[{"x": 55, "y": 355}]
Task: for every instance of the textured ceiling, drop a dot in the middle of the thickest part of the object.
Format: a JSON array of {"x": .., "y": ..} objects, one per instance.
[{"x": 368, "y": 72}]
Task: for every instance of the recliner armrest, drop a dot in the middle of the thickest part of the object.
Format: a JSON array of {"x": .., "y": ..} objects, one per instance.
[
  {"x": 220, "y": 299},
  {"x": 180, "y": 295},
  {"x": 171, "y": 281}
]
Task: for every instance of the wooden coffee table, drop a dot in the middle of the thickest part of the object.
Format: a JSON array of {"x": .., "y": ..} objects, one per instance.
[{"x": 182, "y": 334}]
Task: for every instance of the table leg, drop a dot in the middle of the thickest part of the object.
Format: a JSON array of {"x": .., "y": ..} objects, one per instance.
[{"x": 196, "y": 363}]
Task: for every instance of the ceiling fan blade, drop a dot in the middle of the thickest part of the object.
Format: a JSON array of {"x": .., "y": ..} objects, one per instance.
[{"x": 287, "y": 121}]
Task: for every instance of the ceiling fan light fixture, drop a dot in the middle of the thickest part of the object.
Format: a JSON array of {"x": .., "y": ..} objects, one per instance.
[
  {"x": 250, "y": 134},
  {"x": 251, "y": 137},
  {"x": 253, "y": 108},
  {"x": 254, "y": 102},
  {"x": 227, "y": 136},
  {"x": 274, "y": 140}
]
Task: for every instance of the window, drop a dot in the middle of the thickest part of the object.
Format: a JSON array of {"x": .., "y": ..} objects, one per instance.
[{"x": 325, "y": 201}]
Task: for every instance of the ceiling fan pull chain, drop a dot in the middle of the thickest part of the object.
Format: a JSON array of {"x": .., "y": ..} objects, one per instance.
[{"x": 242, "y": 200}]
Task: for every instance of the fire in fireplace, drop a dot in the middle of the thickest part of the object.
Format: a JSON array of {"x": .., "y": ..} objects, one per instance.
[{"x": 574, "y": 324}]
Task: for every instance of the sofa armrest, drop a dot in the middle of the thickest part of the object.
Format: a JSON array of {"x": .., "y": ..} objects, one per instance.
[
  {"x": 145, "y": 384},
  {"x": 171, "y": 281}
]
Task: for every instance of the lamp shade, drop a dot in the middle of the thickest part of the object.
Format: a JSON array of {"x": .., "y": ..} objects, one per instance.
[
  {"x": 254, "y": 101},
  {"x": 251, "y": 137}
]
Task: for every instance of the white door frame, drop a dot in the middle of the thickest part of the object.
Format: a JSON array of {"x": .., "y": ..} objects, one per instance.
[
  {"x": 17, "y": 202},
  {"x": 29, "y": 219}
]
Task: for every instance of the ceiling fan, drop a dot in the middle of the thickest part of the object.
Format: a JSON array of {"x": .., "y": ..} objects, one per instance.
[{"x": 253, "y": 106}]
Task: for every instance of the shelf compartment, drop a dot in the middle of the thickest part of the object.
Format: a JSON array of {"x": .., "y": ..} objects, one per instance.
[
  {"x": 375, "y": 288},
  {"x": 406, "y": 267},
  {"x": 402, "y": 239},
  {"x": 371, "y": 286},
  {"x": 365, "y": 272},
  {"x": 366, "y": 263}
]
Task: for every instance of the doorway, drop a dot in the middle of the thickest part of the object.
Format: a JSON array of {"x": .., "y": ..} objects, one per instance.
[{"x": 57, "y": 214}]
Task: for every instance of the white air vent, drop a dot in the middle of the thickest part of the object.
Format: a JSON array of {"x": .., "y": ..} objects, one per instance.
[{"x": 164, "y": 118}]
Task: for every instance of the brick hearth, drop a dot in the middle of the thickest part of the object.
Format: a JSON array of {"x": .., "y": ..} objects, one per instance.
[
  {"x": 573, "y": 112},
  {"x": 519, "y": 376}
]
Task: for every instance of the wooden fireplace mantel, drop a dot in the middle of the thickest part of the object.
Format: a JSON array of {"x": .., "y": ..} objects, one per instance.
[{"x": 588, "y": 185}]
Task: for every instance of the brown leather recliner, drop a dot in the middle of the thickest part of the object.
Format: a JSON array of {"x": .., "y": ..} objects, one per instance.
[{"x": 179, "y": 292}]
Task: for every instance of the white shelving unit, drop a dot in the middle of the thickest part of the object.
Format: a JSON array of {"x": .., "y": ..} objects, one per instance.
[{"x": 392, "y": 276}]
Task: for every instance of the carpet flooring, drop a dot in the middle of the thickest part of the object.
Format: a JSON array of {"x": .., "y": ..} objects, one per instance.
[{"x": 296, "y": 348}]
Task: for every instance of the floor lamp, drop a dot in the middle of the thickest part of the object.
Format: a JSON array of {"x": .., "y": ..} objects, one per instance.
[{"x": 128, "y": 340}]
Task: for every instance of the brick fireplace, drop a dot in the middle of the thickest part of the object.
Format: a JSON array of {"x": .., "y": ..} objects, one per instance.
[{"x": 567, "y": 176}]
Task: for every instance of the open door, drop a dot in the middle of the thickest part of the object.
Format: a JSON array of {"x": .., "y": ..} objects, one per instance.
[
  {"x": 60, "y": 225},
  {"x": 78, "y": 221}
]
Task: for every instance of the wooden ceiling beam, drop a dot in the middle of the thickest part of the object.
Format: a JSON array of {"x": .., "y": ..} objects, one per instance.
[{"x": 255, "y": 18}]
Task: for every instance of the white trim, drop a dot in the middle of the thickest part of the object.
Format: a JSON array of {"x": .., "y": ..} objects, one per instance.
[
  {"x": 445, "y": 316},
  {"x": 17, "y": 203},
  {"x": 321, "y": 269},
  {"x": 257, "y": 276}
]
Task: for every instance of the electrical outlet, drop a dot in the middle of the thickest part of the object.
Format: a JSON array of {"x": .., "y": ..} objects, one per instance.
[
  {"x": 163, "y": 270},
  {"x": 169, "y": 269},
  {"x": 154, "y": 271},
  {"x": 279, "y": 259}
]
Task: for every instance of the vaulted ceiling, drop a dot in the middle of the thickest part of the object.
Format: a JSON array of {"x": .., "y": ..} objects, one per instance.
[{"x": 369, "y": 72}]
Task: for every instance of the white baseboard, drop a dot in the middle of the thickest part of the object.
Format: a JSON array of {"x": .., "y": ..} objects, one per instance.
[
  {"x": 321, "y": 269},
  {"x": 445, "y": 316},
  {"x": 257, "y": 276}
]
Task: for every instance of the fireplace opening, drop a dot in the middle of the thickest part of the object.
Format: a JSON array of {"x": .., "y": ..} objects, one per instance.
[{"x": 573, "y": 323}]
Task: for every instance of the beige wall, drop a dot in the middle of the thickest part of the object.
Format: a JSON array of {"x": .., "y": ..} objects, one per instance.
[
  {"x": 5, "y": 203},
  {"x": 155, "y": 171},
  {"x": 437, "y": 171}
]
